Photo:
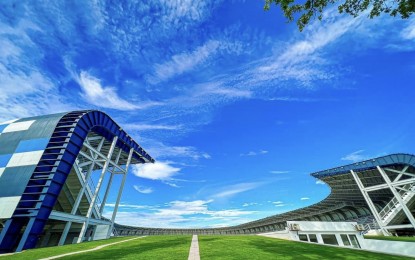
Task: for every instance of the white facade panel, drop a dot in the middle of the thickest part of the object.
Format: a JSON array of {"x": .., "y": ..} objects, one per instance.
[
  {"x": 7, "y": 206},
  {"x": 26, "y": 158},
  {"x": 20, "y": 126},
  {"x": 1, "y": 171}
]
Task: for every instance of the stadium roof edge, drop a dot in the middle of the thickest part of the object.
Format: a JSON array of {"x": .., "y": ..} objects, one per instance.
[
  {"x": 120, "y": 132},
  {"x": 367, "y": 164}
]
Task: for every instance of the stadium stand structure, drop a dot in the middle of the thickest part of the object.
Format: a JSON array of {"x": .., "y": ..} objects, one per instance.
[
  {"x": 378, "y": 193},
  {"x": 48, "y": 195}
]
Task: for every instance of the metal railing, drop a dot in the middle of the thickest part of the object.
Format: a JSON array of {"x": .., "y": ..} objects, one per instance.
[{"x": 393, "y": 205}]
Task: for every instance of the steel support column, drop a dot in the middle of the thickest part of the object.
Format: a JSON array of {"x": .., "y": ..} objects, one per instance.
[
  {"x": 84, "y": 184},
  {"x": 104, "y": 200},
  {"x": 117, "y": 203},
  {"x": 397, "y": 196},
  {"x": 369, "y": 202},
  {"x": 94, "y": 198}
]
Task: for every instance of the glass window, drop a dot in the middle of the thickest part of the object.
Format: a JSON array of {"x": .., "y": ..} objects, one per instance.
[
  {"x": 329, "y": 239},
  {"x": 354, "y": 241},
  {"x": 313, "y": 238},
  {"x": 303, "y": 237},
  {"x": 345, "y": 240}
]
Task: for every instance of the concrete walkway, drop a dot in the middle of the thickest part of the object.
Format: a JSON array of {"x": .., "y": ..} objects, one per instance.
[
  {"x": 194, "y": 249},
  {"x": 88, "y": 250}
]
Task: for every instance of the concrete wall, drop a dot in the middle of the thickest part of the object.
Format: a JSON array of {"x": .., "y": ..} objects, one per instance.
[
  {"x": 278, "y": 234},
  {"x": 390, "y": 247},
  {"x": 337, "y": 228},
  {"x": 101, "y": 232}
]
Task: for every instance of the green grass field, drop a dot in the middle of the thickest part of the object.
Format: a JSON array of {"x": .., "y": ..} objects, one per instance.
[
  {"x": 256, "y": 247},
  {"x": 211, "y": 247},
  {"x": 404, "y": 239},
  {"x": 58, "y": 250},
  {"x": 154, "y": 247}
]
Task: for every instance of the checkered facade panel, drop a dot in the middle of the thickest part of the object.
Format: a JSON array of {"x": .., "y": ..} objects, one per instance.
[{"x": 22, "y": 142}]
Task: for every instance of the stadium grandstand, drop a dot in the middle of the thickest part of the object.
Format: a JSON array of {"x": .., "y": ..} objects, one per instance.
[
  {"x": 378, "y": 193},
  {"x": 47, "y": 193}
]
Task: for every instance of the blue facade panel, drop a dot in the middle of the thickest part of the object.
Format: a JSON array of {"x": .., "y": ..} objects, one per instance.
[{"x": 33, "y": 148}]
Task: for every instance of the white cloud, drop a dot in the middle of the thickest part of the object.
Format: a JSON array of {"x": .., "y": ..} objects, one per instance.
[
  {"x": 184, "y": 62},
  {"x": 215, "y": 88},
  {"x": 304, "y": 198},
  {"x": 249, "y": 204},
  {"x": 176, "y": 10},
  {"x": 145, "y": 127},
  {"x": 185, "y": 207},
  {"x": 278, "y": 204},
  {"x": 131, "y": 206},
  {"x": 253, "y": 153},
  {"x": 355, "y": 156},
  {"x": 409, "y": 32},
  {"x": 232, "y": 190},
  {"x": 96, "y": 94},
  {"x": 279, "y": 172},
  {"x": 142, "y": 189},
  {"x": 26, "y": 90},
  {"x": 179, "y": 214},
  {"x": 155, "y": 171},
  {"x": 320, "y": 182},
  {"x": 160, "y": 150}
]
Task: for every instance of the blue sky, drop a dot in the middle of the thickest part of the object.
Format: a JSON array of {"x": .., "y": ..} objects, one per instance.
[{"x": 237, "y": 106}]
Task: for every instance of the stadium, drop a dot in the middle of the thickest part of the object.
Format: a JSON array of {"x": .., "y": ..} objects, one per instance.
[{"x": 48, "y": 197}]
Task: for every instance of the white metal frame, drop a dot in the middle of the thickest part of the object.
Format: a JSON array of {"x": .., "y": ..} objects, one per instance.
[
  {"x": 402, "y": 189},
  {"x": 94, "y": 157}
]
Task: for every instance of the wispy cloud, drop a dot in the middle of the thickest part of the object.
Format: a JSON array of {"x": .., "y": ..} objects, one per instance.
[
  {"x": 253, "y": 153},
  {"x": 93, "y": 92},
  {"x": 194, "y": 10},
  {"x": 408, "y": 33},
  {"x": 183, "y": 214},
  {"x": 355, "y": 156},
  {"x": 184, "y": 62},
  {"x": 249, "y": 204},
  {"x": 304, "y": 198},
  {"x": 161, "y": 150},
  {"x": 26, "y": 90},
  {"x": 145, "y": 127},
  {"x": 279, "y": 204},
  {"x": 232, "y": 190},
  {"x": 141, "y": 189},
  {"x": 279, "y": 172},
  {"x": 125, "y": 206}
]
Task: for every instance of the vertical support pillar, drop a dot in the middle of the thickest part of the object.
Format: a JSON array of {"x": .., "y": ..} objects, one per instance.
[
  {"x": 76, "y": 204},
  {"x": 117, "y": 203},
  {"x": 369, "y": 202},
  {"x": 25, "y": 234},
  {"x": 6, "y": 227},
  {"x": 80, "y": 194},
  {"x": 94, "y": 198},
  {"x": 104, "y": 200},
  {"x": 397, "y": 196}
]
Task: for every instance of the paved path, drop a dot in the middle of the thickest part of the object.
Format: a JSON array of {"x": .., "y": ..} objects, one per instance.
[
  {"x": 194, "y": 249},
  {"x": 89, "y": 250}
]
